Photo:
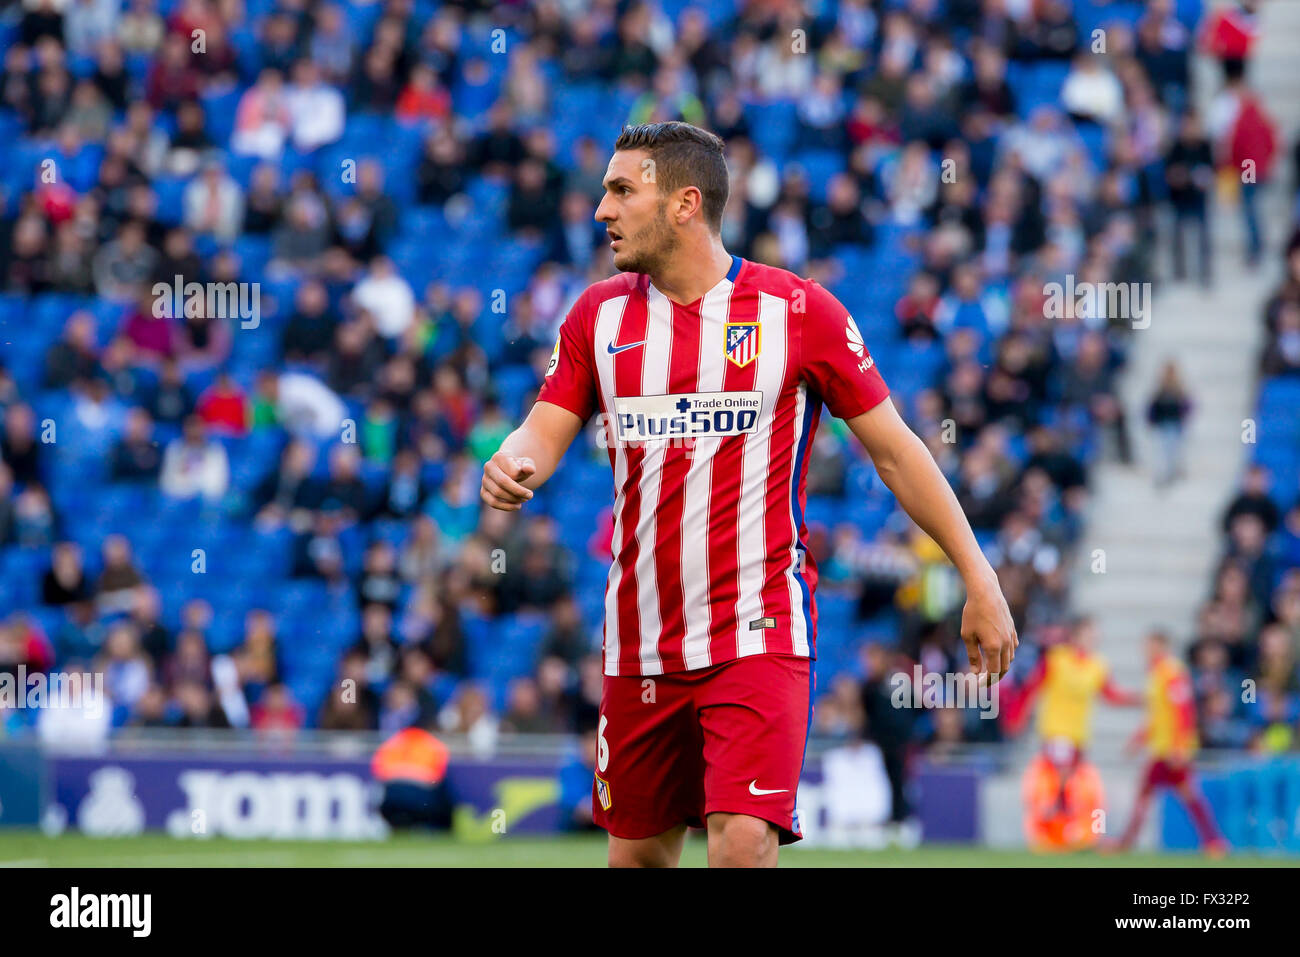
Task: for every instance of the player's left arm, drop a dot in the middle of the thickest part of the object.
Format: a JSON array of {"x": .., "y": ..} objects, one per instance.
[
  {"x": 906, "y": 466},
  {"x": 835, "y": 361}
]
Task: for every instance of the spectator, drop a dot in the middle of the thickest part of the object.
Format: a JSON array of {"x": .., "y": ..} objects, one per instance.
[
  {"x": 352, "y": 705},
  {"x": 124, "y": 264},
  {"x": 170, "y": 400},
  {"x": 1254, "y": 499},
  {"x": 1245, "y": 139},
  {"x": 316, "y": 111},
  {"x": 75, "y": 356},
  {"x": 262, "y": 119},
  {"x": 379, "y": 583},
  {"x": 223, "y": 408},
  {"x": 115, "y": 591},
  {"x": 288, "y": 493},
  {"x": 263, "y": 203},
  {"x": 1092, "y": 92},
  {"x": 423, "y": 98},
  {"x": 65, "y": 580},
  {"x": 20, "y": 448},
  {"x": 1189, "y": 173},
  {"x": 214, "y": 204},
  {"x": 194, "y": 466},
  {"x": 387, "y": 297},
  {"x": 1167, "y": 412}
]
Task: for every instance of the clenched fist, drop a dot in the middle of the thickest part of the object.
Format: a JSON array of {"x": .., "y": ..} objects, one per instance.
[{"x": 501, "y": 477}]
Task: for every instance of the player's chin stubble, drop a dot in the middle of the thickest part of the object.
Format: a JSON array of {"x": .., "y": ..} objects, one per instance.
[{"x": 652, "y": 246}]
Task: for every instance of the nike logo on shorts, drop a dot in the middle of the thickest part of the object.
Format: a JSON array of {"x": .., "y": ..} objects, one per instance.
[{"x": 759, "y": 792}]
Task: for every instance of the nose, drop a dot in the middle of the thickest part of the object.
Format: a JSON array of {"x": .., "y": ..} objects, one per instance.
[{"x": 603, "y": 212}]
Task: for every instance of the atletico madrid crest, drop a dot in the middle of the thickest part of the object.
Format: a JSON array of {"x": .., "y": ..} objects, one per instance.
[{"x": 743, "y": 342}]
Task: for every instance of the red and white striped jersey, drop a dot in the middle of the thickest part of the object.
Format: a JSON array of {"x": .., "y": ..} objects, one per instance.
[{"x": 709, "y": 410}]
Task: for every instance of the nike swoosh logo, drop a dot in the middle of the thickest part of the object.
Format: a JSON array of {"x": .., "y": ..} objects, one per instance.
[
  {"x": 759, "y": 792},
  {"x": 615, "y": 350}
]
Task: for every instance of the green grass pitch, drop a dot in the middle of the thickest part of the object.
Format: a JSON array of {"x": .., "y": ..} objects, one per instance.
[{"x": 33, "y": 849}]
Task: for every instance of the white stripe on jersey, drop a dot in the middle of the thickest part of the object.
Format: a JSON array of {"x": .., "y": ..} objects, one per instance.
[
  {"x": 798, "y": 623},
  {"x": 608, "y": 321},
  {"x": 751, "y": 537},
  {"x": 699, "y": 479},
  {"x": 655, "y": 356}
]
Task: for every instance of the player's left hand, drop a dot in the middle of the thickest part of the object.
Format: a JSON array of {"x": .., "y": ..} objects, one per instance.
[{"x": 988, "y": 631}]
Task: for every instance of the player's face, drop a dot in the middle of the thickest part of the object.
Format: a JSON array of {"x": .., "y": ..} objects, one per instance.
[{"x": 635, "y": 214}]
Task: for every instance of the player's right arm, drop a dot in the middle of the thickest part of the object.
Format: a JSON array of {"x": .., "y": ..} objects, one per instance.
[
  {"x": 531, "y": 453},
  {"x": 528, "y": 456}
]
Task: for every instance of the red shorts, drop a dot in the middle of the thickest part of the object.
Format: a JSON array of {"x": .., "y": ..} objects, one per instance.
[
  {"x": 730, "y": 738},
  {"x": 1161, "y": 773}
]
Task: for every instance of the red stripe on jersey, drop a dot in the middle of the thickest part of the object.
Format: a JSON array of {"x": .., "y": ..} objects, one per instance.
[
  {"x": 683, "y": 376},
  {"x": 724, "y": 510},
  {"x": 779, "y": 529},
  {"x": 627, "y": 381}
]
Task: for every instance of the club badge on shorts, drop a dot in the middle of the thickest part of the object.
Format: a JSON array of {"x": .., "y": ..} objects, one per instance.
[
  {"x": 742, "y": 342},
  {"x": 602, "y": 793}
]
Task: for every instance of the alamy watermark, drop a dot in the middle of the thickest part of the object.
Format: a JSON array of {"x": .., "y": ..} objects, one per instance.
[
  {"x": 211, "y": 300},
  {"x": 931, "y": 689},
  {"x": 1128, "y": 301},
  {"x": 70, "y": 690}
]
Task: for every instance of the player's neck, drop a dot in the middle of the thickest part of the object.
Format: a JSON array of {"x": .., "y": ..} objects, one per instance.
[{"x": 696, "y": 269}]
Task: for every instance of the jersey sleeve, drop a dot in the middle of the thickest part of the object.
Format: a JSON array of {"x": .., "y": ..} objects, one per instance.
[
  {"x": 570, "y": 380},
  {"x": 834, "y": 360}
]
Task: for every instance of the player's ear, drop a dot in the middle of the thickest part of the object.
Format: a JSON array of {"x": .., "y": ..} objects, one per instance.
[{"x": 689, "y": 200}]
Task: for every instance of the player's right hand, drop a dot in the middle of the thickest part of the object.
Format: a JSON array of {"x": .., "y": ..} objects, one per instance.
[{"x": 501, "y": 477}]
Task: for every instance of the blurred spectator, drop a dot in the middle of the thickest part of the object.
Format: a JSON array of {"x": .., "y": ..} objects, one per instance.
[
  {"x": 214, "y": 203},
  {"x": 194, "y": 466},
  {"x": 387, "y": 297},
  {"x": 469, "y": 714},
  {"x": 65, "y": 580},
  {"x": 75, "y": 356},
  {"x": 1245, "y": 139},
  {"x": 1189, "y": 173},
  {"x": 119, "y": 581},
  {"x": 1254, "y": 499},
  {"x": 262, "y": 119},
  {"x": 1167, "y": 411},
  {"x": 316, "y": 110}
]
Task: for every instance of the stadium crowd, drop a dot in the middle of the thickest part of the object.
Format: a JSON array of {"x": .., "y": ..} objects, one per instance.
[
  {"x": 263, "y": 511},
  {"x": 1246, "y": 656}
]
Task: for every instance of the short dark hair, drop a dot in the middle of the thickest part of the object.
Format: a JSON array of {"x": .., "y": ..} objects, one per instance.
[{"x": 684, "y": 155}]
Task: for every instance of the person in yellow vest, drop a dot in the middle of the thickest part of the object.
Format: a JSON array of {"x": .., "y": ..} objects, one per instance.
[
  {"x": 1062, "y": 790},
  {"x": 412, "y": 766},
  {"x": 1171, "y": 740}
]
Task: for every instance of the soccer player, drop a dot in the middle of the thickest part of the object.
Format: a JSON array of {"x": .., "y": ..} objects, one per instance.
[
  {"x": 1062, "y": 789},
  {"x": 1171, "y": 740},
  {"x": 709, "y": 373},
  {"x": 1070, "y": 675}
]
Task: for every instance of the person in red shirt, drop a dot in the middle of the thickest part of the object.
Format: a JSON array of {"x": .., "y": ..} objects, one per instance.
[
  {"x": 423, "y": 98},
  {"x": 1248, "y": 149},
  {"x": 276, "y": 713},
  {"x": 1229, "y": 35},
  {"x": 224, "y": 407}
]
